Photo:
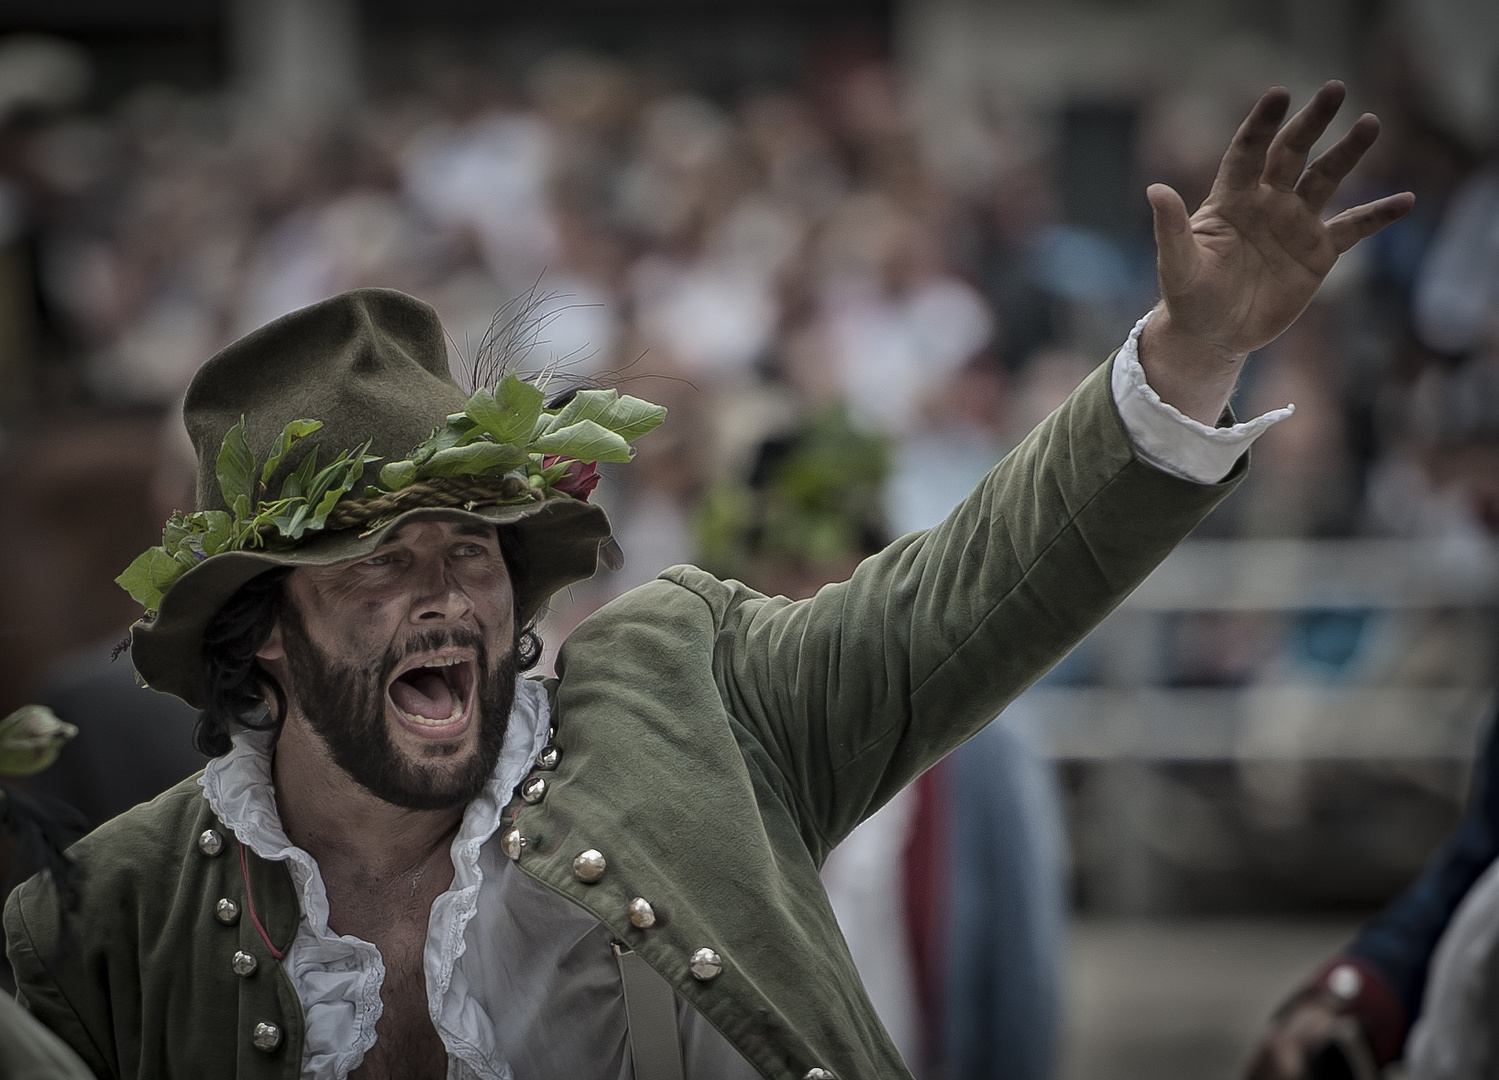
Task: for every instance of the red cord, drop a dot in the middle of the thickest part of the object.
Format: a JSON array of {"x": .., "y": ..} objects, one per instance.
[{"x": 244, "y": 870}]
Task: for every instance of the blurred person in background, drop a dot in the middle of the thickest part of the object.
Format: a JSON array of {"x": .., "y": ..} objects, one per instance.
[
  {"x": 880, "y": 675},
  {"x": 1418, "y": 982},
  {"x": 132, "y": 743},
  {"x": 951, "y": 896}
]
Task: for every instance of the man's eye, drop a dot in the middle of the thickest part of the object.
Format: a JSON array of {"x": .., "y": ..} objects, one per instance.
[
  {"x": 470, "y": 550},
  {"x": 377, "y": 560}
]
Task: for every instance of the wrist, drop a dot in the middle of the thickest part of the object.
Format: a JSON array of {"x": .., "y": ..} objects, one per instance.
[
  {"x": 1187, "y": 371},
  {"x": 1171, "y": 336},
  {"x": 1351, "y": 986}
]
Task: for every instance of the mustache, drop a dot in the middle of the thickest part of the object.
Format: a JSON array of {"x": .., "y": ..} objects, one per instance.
[{"x": 431, "y": 641}]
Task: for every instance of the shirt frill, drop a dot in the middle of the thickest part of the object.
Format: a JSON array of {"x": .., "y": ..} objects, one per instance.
[
  {"x": 338, "y": 977},
  {"x": 456, "y": 1012},
  {"x": 1169, "y": 439}
]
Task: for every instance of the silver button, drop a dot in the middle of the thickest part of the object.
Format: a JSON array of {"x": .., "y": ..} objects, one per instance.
[
  {"x": 210, "y": 842},
  {"x": 226, "y": 911},
  {"x": 243, "y": 964},
  {"x": 266, "y": 1036},
  {"x": 1345, "y": 982},
  {"x": 550, "y": 755},
  {"x": 705, "y": 964},
  {"x": 513, "y": 843},
  {"x": 642, "y": 915},
  {"x": 534, "y": 790},
  {"x": 818, "y": 1074},
  {"x": 589, "y": 866}
]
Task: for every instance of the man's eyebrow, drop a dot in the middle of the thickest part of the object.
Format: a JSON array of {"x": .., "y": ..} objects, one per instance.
[
  {"x": 477, "y": 529},
  {"x": 474, "y": 528}
]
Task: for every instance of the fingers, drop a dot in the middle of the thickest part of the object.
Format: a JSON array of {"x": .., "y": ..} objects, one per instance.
[
  {"x": 1320, "y": 181},
  {"x": 1353, "y": 225},
  {"x": 1175, "y": 251},
  {"x": 1245, "y": 159},
  {"x": 1291, "y": 145}
]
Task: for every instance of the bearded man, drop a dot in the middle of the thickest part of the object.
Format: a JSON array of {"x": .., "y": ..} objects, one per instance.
[{"x": 416, "y": 864}]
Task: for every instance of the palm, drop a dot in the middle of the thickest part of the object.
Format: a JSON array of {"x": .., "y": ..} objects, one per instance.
[{"x": 1244, "y": 266}]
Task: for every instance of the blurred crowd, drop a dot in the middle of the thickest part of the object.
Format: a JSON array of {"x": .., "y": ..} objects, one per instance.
[
  {"x": 784, "y": 259},
  {"x": 745, "y": 261}
]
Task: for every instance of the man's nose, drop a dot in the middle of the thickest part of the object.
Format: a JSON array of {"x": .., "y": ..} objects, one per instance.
[{"x": 440, "y": 596}]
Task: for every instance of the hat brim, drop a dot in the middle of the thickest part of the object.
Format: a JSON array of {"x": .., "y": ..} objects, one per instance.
[{"x": 559, "y": 539}]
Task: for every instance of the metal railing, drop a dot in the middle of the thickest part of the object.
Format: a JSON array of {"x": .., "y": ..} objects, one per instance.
[{"x": 1419, "y": 596}]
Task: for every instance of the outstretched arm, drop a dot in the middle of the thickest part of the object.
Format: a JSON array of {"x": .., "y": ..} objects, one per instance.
[{"x": 1239, "y": 271}]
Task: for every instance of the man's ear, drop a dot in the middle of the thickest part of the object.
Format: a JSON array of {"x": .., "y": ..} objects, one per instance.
[{"x": 273, "y": 649}]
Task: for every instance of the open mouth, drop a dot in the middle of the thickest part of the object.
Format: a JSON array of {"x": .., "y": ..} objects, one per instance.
[{"x": 434, "y": 694}]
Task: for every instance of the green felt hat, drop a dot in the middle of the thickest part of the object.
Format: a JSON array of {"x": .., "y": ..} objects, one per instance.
[{"x": 371, "y": 365}]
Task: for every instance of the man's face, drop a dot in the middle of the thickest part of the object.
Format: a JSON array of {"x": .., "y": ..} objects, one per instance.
[{"x": 403, "y": 663}]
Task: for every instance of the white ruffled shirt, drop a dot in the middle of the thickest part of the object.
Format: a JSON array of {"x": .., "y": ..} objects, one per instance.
[{"x": 521, "y": 985}]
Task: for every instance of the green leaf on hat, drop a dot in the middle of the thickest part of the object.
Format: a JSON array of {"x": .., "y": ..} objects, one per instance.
[
  {"x": 584, "y": 441},
  {"x": 628, "y": 417},
  {"x": 150, "y": 575},
  {"x": 218, "y": 527},
  {"x": 295, "y": 486},
  {"x": 236, "y": 465},
  {"x": 292, "y": 521},
  {"x": 30, "y": 739},
  {"x": 509, "y": 414},
  {"x": 458, "y": 429},
  {"x": 289, "y": 434},
  {"x": 177, "y": 529},
  {"x": 352, "y": 475},
  {"x": 397, "y": 474},
  {"x": 475, "y": 459}
]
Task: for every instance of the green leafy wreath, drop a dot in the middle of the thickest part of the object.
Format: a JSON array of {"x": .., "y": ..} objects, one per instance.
[{"x": 518, "y": 450}]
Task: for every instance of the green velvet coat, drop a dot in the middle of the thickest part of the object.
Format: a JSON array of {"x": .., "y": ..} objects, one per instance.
[{"x": 716, "y": 744}]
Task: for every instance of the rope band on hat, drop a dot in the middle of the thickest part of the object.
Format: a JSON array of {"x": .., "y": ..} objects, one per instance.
[{"x": 465, "y": 492}]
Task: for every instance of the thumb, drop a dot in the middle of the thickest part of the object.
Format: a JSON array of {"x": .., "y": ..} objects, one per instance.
[{"x": 1176, "y": 254}]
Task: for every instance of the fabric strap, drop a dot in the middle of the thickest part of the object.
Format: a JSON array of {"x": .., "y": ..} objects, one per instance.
[{"x": 651, "y": 1012}]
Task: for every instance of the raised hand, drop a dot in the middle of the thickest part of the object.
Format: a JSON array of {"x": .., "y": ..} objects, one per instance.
[{"x": 1240, "y": 270}]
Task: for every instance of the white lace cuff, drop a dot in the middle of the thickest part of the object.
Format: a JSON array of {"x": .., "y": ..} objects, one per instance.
[{"x": 1168, "y": 438}]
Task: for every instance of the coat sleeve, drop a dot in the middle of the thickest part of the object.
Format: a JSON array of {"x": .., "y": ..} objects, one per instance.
[
  {"x": 28, "y": 1051},
  {"x": 856, "y": 691},
  {"x": 33, "y": 936}
]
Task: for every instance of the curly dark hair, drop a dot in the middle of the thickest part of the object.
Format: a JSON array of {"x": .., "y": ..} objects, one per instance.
[{"x": 235, "y": 683}]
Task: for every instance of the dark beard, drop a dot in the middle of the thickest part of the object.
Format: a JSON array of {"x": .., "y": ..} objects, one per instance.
[{"x": 346, "y": 708}]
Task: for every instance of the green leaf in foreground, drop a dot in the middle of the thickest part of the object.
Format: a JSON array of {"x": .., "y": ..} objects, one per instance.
[
  {"x": 30, "y": 739},
  {"x": 585, "y": 441}
]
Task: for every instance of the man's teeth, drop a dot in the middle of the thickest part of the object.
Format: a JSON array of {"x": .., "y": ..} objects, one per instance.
[
  {"x": 443, "y": 661},
  {"x": 427, "y": 721}
]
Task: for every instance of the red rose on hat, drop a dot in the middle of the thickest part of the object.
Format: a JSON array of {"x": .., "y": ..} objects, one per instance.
[{"x": 578, "y": 481}]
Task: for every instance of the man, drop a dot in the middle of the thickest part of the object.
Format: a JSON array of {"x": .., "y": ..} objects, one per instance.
[{"x": 329, "y": 899}]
